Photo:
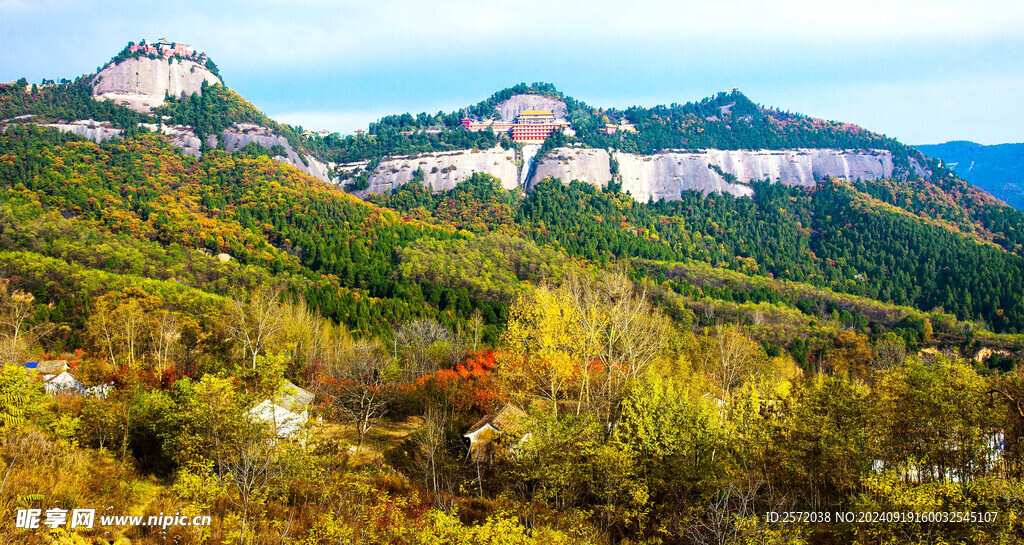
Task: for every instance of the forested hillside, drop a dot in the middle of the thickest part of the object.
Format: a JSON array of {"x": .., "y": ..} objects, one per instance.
[
  {"x": 339, "y": 251},
  {"x": 835, "y": 237}
]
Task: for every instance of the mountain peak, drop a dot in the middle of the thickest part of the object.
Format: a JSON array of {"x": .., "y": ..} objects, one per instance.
[{"x": 143, "y": 75}]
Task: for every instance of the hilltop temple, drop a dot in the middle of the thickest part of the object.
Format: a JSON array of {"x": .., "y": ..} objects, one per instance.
[
  {"x": 166, "y": 49},
  {"x": 530, "y": 126}
]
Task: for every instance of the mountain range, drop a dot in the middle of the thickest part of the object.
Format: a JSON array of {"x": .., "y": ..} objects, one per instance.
[
  {"x": 775, "y": 196},
  {"x": 993, "y": 168}
]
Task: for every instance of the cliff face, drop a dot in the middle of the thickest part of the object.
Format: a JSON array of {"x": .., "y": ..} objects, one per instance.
[
  {"x": 97, "y": 131},
  {"x": 442, "y": 171},
  {"x": 665, "y": 175},
  {"x": 661, "y": 176},
  {"x": 798, "y": 166},
  {"x": 235, "y": 138},
  {"x": 567, "y": 164},
  {"x": 240, "y": 135},
  {"x": 141, "y": 83}
]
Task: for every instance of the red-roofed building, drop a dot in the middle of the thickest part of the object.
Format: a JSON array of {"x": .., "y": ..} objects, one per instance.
[{"x": 529, "y": 126}]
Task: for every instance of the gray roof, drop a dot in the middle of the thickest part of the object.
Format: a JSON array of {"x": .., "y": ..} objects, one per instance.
[
  {"x": 293, "y": 398},
  {"x": 51, "y": 367},
  {"x": 510, "y": 419}
]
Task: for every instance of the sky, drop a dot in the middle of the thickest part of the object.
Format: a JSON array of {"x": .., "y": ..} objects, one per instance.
[{"x": 919, "y": 71}]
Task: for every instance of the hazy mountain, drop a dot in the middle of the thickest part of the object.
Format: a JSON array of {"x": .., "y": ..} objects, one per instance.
[{"x": 996, "y": 169}]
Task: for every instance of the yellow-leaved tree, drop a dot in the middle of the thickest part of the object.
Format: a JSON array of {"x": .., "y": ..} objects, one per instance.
[{"x": 544, "y": 343}]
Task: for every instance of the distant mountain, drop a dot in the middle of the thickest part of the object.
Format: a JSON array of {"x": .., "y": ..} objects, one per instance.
[{"x": 996, "y": 169}]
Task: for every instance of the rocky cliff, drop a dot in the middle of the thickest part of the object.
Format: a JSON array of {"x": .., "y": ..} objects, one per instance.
[
  {"x": 141, "y": 83},
  {"x": 442, "y": 171},
  {"x": 567, "y": 164},
  {"x": 240, "y": 135},
  {"x": 235, "y": 137},
  {"x": 660, "y": 176},
  {"x": 96, "y": 131},
  {"x": 667, "y": 175}
]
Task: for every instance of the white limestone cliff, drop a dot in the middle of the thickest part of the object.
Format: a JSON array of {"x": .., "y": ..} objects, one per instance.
[
  {"x": 661, "y": 176},
  {"x": 142, "y": 83},
  {"x": 509, "y": 109},
  {"x": 240, "y": 135},
  {"x": 442, "y": 171}
]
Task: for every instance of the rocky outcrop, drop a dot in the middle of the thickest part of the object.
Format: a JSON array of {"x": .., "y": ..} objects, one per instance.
[
  {"x": 235, "y": 138},
  {"x": 240, "y": 135},
  {"x": 97, "y": 131},
  {"x": 509, "y": 109},
  {"x": 442, "y": 171},
  {"x": 797, "y": 166},
  {"x": 665, "y": 175},
  {"x": 526, "y": 159},
  {"x": 182, "y": 136},
  {"x": 142, "y": 83},
  {"x": 567, "y": 164},
  {"x": 647, "y": 177}
]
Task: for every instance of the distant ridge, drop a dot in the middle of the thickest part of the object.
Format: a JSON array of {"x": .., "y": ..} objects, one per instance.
[{"x": 995, "y": 168}]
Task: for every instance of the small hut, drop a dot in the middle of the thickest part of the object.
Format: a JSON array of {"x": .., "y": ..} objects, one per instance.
[{"x": 509, "y": 419}]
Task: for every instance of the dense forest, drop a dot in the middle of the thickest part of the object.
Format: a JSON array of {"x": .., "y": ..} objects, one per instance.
[
  {"x": 655, "y": 373},
  {"x": 146, "y": 190},
  {"x": 64, "y": 101},
  {"x": 833, "y": 237}
]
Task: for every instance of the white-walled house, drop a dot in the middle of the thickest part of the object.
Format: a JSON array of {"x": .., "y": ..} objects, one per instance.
[
  {"x": 48, "y": 368},
  {"x": 287, "y": 412},
  {"x": 63, "y": 383}
]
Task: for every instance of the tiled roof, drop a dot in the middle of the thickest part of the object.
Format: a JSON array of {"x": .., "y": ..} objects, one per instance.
[
  {"x": 48, "y": 367},
  {"x": 509, "y": 418},
  {"x": 293, "y": 398}
]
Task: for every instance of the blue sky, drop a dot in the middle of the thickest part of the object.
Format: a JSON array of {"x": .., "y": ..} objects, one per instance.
[{"x": 921, "y": 71}]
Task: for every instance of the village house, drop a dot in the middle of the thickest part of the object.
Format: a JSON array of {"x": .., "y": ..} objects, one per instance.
[
  {"x": 47, "y": 369},
  {"x": 63, "y": 383},
  {"x": 510, "y": 419},
  {"x": 287, "y": 412},
  {"x": 55, "y": 376},
  {"x": 622, "y": 127}
]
